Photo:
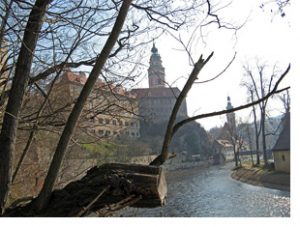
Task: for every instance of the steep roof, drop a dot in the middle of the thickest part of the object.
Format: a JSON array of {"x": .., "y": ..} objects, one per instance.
[
  {"x": 156, "y": 92},
  {"x": 283, "y": 141}
]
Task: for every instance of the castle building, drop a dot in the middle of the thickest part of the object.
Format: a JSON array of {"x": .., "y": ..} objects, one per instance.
[
  {"x": 110, "y": 111},
  {"x": 157, "y": 101}
]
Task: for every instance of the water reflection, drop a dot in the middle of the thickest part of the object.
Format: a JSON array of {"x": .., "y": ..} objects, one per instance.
[{"x": 212, "y": 193}]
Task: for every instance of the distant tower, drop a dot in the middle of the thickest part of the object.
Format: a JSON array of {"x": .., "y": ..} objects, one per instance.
[
  {"x": 156, "y": 72},
  {"x": 230, "y": 116}
]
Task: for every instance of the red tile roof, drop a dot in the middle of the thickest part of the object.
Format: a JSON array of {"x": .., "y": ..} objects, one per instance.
[
  {"x": 77, "y": 78},
  {"x": 80, "y": 79}
]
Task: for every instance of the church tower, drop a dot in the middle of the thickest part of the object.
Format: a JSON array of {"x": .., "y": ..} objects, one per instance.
[
  {"x": 156, "y": 72},
  {"x": 230, "y": 116}
]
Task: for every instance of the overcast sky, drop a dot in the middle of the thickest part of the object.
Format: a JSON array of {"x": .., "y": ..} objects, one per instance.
[{"x": 268, "y": 38}]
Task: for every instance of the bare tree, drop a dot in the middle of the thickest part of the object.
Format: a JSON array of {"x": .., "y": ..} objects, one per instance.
[
  {"x": 259, "y": 84},
  {"x": 172, "y": 127},
  {"x": 40, "y": 32},
  {"x": 40, "y": 36},
  {"x": 257, "y": 132},
  {"x": 20, "y": 81},
  {"x": 286, "y": 101},
  {"x": 77, "y": 109}
]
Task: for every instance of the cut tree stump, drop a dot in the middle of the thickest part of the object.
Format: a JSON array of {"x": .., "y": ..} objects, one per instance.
[
  {"x": 147, "y": 181},
  {"x": 102, "y": 189}
]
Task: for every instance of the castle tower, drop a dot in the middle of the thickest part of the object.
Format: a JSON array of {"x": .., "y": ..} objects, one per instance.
[
  {"x": 156, "y": 72},
  {"x": 230, "y": 116}
]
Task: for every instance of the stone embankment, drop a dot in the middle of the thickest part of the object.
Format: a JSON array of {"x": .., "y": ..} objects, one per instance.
[{"x": 262, "y": 177}]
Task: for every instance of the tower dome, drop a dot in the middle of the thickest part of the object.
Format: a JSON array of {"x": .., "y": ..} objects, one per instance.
[
  {"x": 229, "y": 105},
  {"x": 154, "y": 50}
]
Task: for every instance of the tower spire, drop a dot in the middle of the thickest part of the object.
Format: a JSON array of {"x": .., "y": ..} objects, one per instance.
[
  {"x": 230, "y": 117},
  {"x": 156, "y": 72},
  {"x": 229, "y": 105}
]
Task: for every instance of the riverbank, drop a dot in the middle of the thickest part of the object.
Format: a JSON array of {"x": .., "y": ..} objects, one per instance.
[{"x": 262, "y": 177}]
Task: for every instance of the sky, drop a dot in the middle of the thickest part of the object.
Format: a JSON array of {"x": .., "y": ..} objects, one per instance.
[{"x": 265, "y": 38}]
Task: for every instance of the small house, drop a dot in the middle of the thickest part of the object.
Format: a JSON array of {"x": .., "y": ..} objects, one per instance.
[{"x": 281, "y": 150}]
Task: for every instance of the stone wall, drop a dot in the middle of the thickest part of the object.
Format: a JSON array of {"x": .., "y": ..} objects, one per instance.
[{"x": 282, "y": 161}]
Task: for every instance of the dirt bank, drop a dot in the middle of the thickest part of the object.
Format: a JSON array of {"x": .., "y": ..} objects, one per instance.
[{"x": 261, "y": 177}]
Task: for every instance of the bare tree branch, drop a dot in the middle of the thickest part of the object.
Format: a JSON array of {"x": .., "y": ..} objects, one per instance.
[
  {"x": 159, "y": 160},
  {"x": 201, "y": 116}
]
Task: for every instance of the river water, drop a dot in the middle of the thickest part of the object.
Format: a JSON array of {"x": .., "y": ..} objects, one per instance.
[{"x": 212, "y": 192}]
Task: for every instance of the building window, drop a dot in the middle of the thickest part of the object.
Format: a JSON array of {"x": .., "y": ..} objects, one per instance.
[
  {"x": 107, "y": 121},
  {"x": 132, "y": 124},
  {"x": 120, "y": 123},
  {"x": 100, "y": 132},
  {"x": 133, "y": 134},
  {"x": 283, "y": 157},
  {"x": 114, "y": 122},
  {"x": 107, "y": 133},
  {"x": 100, "y": 121},
  {"x": 126, "y": 123}
]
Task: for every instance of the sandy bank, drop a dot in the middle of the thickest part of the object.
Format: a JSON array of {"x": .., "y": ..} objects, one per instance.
[{"x": 265, "y": 178}]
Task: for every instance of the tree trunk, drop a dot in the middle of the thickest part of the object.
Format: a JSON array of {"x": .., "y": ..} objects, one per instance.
[
  {"x": 235, "y": 157},
  {"x": 159, "y": 160},
  {"x": 4, "y": 21},
  {"x": 263, "y": 118},
  {"x": 263, "y": 115},
  {"x": 56, "y": 162},
  {"x": 19, "y": 84},
  {"x": 256, "y": 131}
]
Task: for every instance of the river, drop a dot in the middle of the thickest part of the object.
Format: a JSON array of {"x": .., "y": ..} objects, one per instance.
[{"x": 212, "y": 192}]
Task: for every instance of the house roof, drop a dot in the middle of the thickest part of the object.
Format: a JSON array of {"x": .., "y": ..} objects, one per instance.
[
  {"x": 224, "y": 143},
  {"x": 156, "y": 92},
  {"x": 80, "y": 79},
  {"x": 283, "y": 141}
]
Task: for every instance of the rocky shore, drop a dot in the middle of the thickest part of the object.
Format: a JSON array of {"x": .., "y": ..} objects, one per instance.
[{"x": 262, "y": 177}]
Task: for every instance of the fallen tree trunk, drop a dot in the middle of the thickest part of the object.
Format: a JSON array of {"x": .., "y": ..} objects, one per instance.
[{"x": 102, "y": 190}]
